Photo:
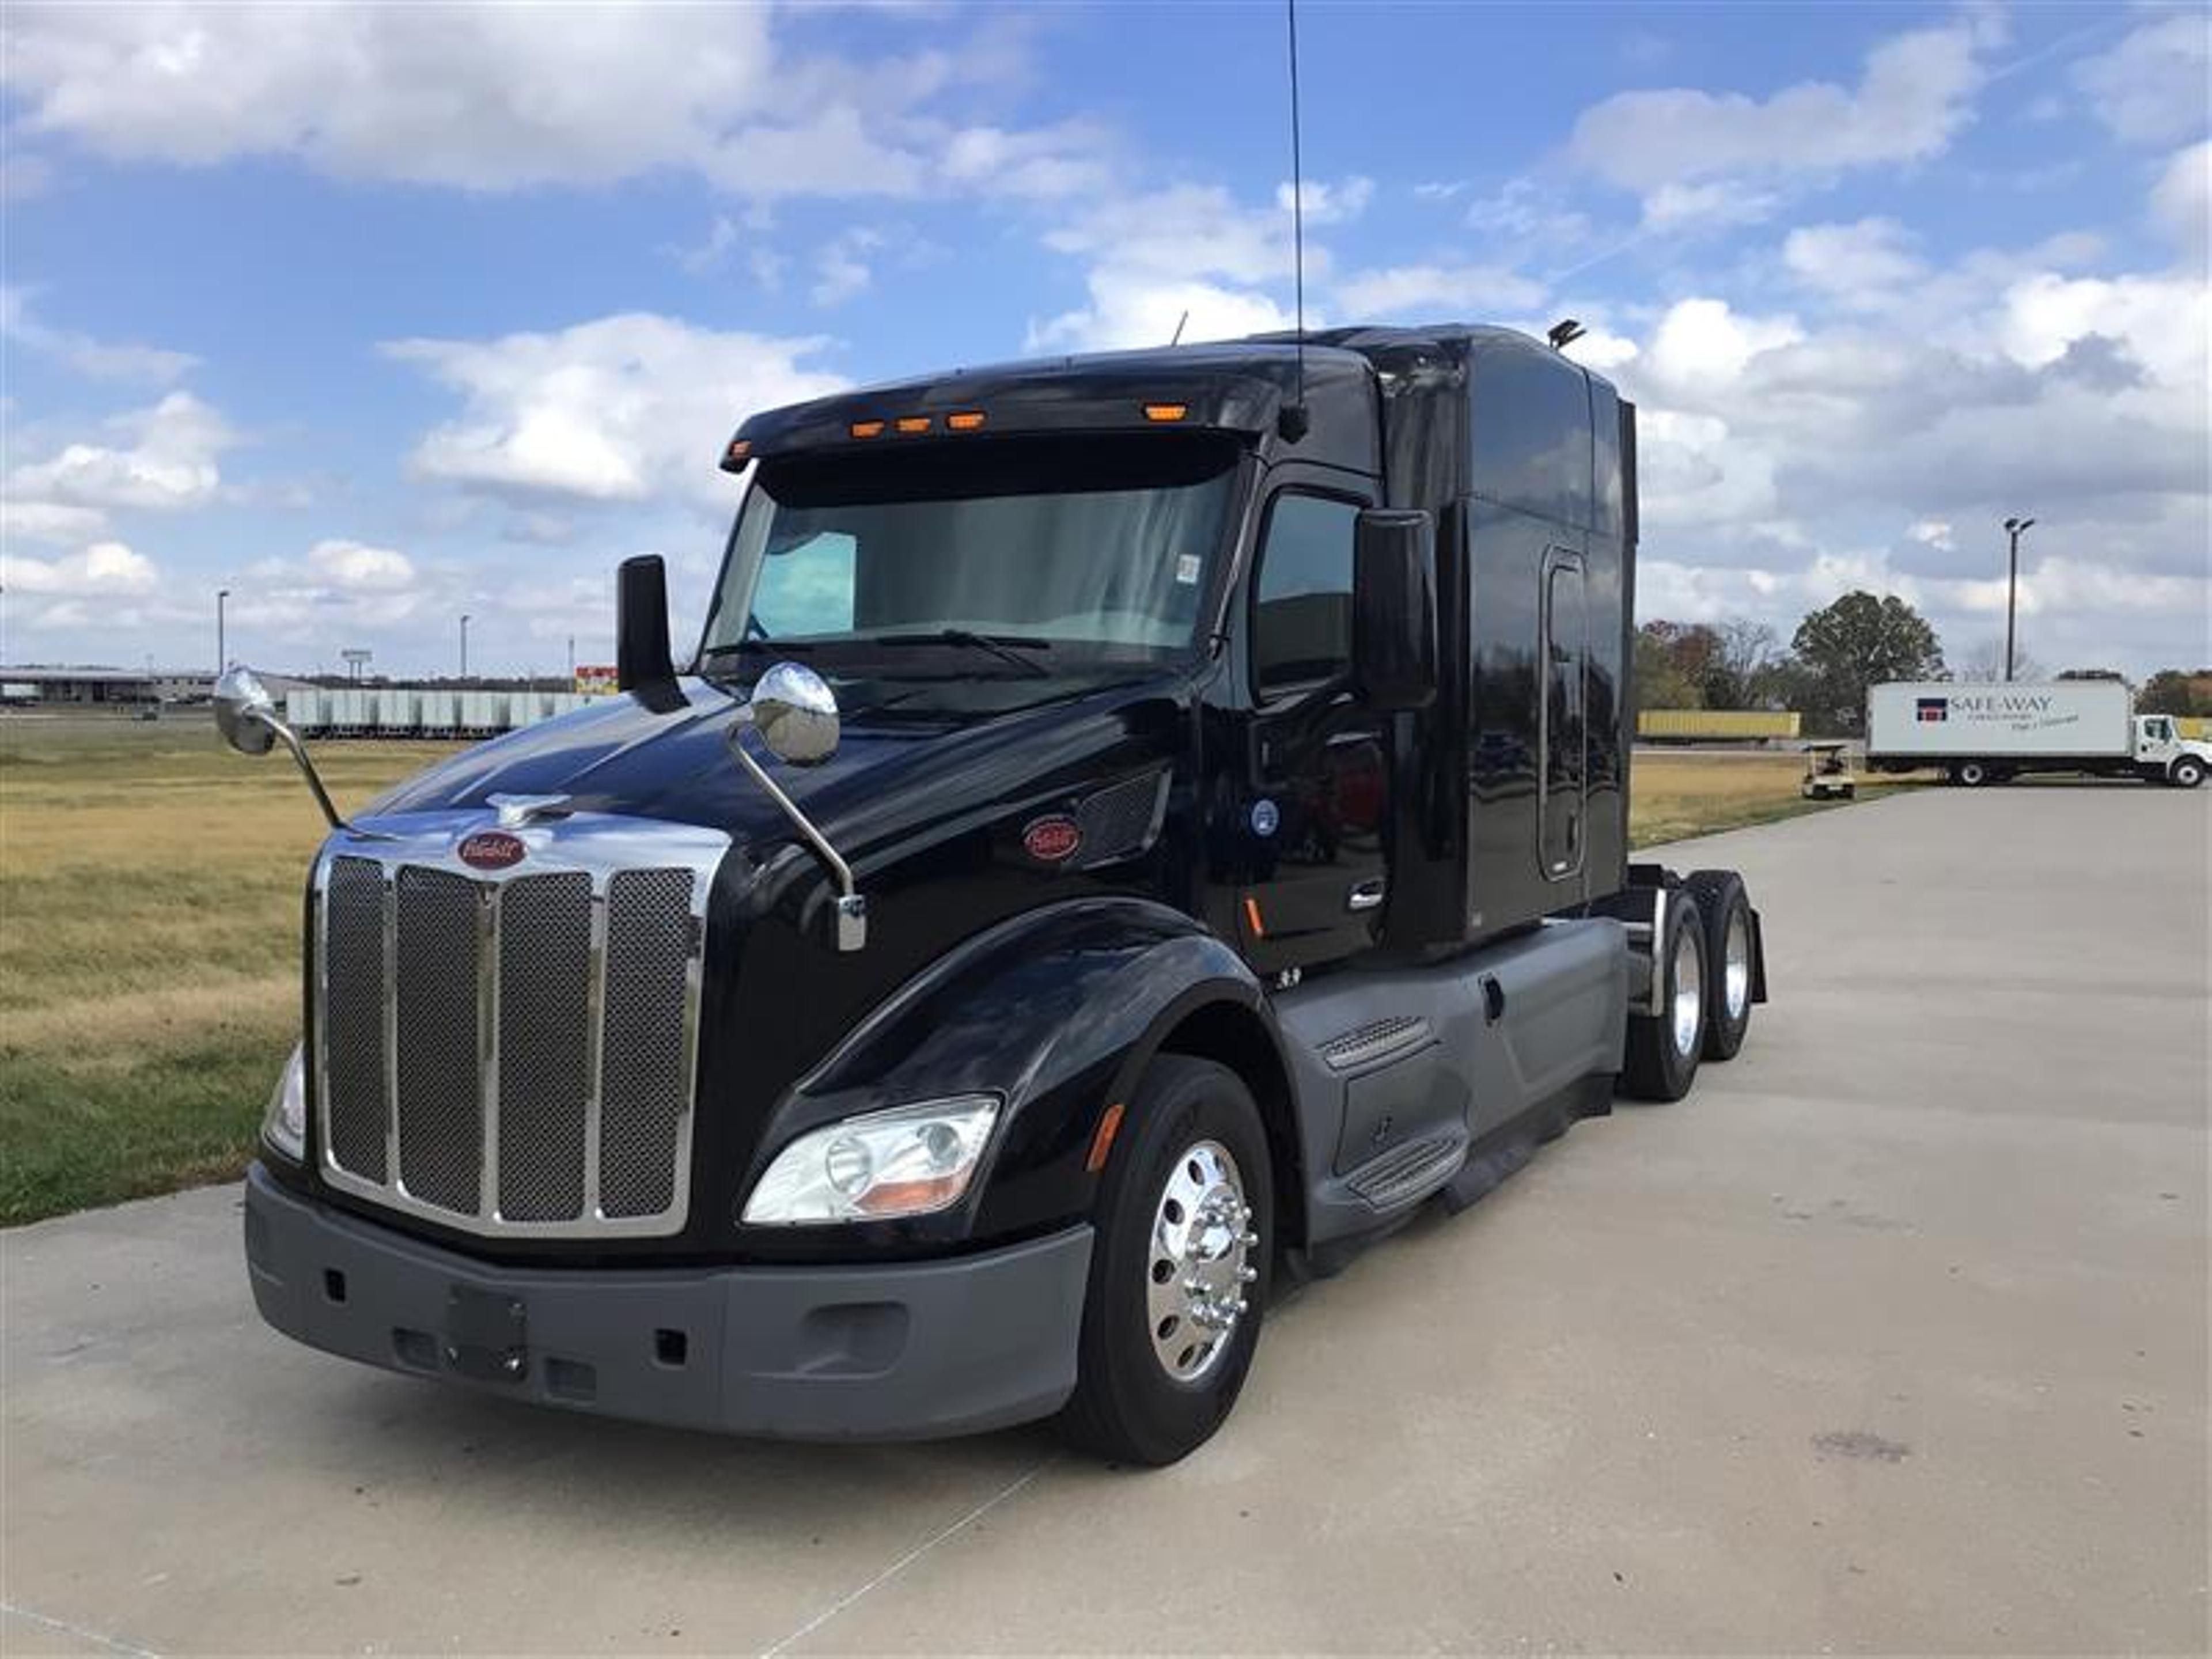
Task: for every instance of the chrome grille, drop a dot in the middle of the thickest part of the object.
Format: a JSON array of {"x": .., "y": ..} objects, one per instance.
[{"x": 513, "y": 1051}]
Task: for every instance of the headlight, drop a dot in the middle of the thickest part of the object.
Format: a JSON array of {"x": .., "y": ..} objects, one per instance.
[
  {"x": 910, "y": 1161},
  {"x": 285, "y": 1125}
]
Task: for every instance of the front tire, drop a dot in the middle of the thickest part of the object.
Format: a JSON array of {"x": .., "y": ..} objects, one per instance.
[
  {"x": 1664, "y": 1046},
  {"x": 1179, "y": 1276},
  {"x": 2188, "y": 771},
  {"x": 1971, "y": 774}
]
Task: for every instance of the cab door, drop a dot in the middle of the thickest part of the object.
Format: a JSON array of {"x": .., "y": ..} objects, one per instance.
[{"x": 1317, "y": 790}]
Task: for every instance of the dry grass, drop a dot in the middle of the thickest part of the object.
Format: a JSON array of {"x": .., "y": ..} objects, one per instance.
[
  {"x": 149, "y": 949},
  {"x": 149, "y": 936},
  {"x": 1677, "y": 792}
]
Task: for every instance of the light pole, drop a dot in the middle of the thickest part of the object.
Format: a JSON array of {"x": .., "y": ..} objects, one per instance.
[
  {"x": 2014, "y": 528},
  {"x": 221, "y": 661},
  {"x": 465, "y": 645}
]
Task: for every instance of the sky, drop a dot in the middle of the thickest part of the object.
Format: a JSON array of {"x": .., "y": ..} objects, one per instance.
[{"x": 378, "y": 316}]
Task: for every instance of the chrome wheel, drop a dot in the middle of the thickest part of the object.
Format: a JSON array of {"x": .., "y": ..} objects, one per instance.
[
  {"x": 1689, "y": 993},
  {"x": 1735, "y": 966},
  {"x": 1199, "y": 1263}
]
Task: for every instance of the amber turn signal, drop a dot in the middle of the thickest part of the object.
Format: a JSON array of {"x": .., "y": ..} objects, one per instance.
[{"x": 1166, "y": 411}]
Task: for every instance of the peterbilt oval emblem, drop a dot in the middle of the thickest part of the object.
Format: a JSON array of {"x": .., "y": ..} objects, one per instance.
[
  {"x": 1053, "y": 839},
  {"x": 491, "y": 849}
]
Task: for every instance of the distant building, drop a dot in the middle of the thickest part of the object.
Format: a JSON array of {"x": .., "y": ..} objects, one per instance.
[{"x": 70, "y": 685}]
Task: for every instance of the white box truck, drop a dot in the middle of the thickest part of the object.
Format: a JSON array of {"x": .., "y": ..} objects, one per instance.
[{"x": 1978, "y": 734}]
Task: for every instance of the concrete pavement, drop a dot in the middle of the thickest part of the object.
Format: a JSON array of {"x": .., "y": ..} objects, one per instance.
[{"x": 1892, "y": 1337}]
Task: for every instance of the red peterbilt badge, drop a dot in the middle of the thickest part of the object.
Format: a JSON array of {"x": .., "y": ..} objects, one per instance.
[
  {"x": 491, "y": 849},
  {"x": 1052, "y": 841}
]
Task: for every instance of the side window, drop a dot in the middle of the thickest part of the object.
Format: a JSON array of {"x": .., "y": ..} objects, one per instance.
[{"x": 1302, "y": 603}]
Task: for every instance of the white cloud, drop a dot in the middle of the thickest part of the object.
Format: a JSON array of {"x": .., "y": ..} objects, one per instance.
[
  {"x": 1137, "y": 308},
  {"x": 100, "y": 359},
  {"x": 353, "y": 566},
  {"x": 1526, "y": 213},
  {"x": 1190, "y": 248},
  {"x": 1913, "y": 98},
  {"x": 1933, "y": 532},
  {"x": 625, "y": 407},
  {"x": 2151, "y": 87},
  {"x": 1852, "y": 263},
  {"x": 2183, "y": 201},
  {"x": 1471, "y": 291},
  {"x": 47, "y": 521},
  {"x": 500, "y": 97},
  {"x": 102, "y": 568},
  {"x": 1718, "y": 204},
  {"x": 841, "y": 270},
  {"x": 1326, "y": 203},
  {"x": 166, "y": 459}
]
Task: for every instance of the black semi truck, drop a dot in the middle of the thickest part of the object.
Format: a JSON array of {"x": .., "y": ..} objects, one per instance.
[{"x": 1136, "y": 829}]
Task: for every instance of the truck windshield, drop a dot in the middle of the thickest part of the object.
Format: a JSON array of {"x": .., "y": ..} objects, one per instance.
[{"x": 1025, "y": 556}]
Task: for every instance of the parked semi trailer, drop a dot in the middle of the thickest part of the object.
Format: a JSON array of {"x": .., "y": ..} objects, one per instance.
[
  {"x": 1978, "y": 734},
  {"x": 1135, "y": 828}
]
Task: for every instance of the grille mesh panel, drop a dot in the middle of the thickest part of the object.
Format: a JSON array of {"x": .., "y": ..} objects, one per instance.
[
  {"x": 441, "y": 1091},
  {"x": 544, "y": 1015},
  {"x": 1117, "y": 821},
  {"x": 649, "y": 946},
  {"x": 353, "y": 1016}
]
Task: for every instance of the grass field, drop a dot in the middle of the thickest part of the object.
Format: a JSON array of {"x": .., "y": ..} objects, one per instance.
[{"x": 149, "y": 936}]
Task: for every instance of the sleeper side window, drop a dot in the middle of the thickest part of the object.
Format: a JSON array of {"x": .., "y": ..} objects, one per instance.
[{"x": 1302, "y": 600}]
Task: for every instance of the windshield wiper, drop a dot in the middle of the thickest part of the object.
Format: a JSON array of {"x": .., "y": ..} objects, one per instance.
[
  {"x": 997, "y": 644},
  {"x": 758, "y": 642}
]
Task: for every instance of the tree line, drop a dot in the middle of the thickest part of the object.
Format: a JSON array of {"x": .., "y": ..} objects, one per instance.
[{"x": 1837, "y": 652}]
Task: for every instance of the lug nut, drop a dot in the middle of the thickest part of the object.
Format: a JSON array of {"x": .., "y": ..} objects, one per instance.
[
  {"x": 1246, "y": 1274},
  {"x": 1250, "y": 1240}
]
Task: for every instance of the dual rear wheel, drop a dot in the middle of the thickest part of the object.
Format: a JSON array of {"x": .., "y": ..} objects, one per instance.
[{"x": 1706, "y": 964}]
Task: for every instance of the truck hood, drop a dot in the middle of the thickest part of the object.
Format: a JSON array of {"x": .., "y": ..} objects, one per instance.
[{"x": 620, "y": 756}]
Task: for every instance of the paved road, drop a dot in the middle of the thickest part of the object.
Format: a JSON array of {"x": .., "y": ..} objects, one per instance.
[{"x": 1892, "y": 1337}]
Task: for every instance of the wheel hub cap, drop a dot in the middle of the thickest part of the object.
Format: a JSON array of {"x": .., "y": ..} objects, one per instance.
[
  {"x": 1737, "y": 969},
  {"x": 1200, "y": 1262},
  {"x": 1689, "y": 994}
]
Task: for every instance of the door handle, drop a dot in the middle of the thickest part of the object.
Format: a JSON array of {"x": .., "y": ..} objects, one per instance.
[{"x": 1366, "y": 896}]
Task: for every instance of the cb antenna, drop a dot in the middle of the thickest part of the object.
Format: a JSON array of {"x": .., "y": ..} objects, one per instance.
[{"x": 1292, "y": 421}]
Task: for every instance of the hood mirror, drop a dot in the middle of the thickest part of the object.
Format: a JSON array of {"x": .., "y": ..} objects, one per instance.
[
  {"x": 245, "y": 714},
  {"x": 795, "y": 713},
  {"x": 244, "y": 710}
]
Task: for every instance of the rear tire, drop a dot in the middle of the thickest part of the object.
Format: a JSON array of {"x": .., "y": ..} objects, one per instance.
[
  {"x": 1724, "y": 908},
  {"x": 1971, "y": 775},
  {"x": 1154, "y": 1378},
  {"x": 1664, "y": 1046},
  {"x": 2188, "y": 771}
]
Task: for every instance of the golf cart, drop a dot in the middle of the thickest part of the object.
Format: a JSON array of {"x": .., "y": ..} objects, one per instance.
[{"x": 1827, "y": 773}]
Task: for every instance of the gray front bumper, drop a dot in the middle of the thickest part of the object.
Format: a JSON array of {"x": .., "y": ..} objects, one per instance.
[{"x": 896, "y": 1351}]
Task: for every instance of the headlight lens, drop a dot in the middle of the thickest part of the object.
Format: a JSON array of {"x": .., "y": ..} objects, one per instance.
[
  {"x": 285, "y": 1125},
  {"x": 910, "y": 1161}
]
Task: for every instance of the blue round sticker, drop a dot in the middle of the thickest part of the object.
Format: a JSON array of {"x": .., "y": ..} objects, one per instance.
[{"x": 1265, "y": 817}]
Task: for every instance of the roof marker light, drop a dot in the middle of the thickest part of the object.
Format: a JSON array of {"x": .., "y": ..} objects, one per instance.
[
  {"x": 1166, "y": 411},
  {"x": 966, "y": 420},
  {"x": 866, "y": 429},
  {"x": 914, "y": 423},
  {"x": 739, "y": 452}
]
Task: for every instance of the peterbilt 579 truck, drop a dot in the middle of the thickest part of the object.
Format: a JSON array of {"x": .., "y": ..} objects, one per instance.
[{"x": 1135, "y": 830}]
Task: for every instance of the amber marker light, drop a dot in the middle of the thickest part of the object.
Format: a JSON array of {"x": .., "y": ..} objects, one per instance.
[
  {"x": 737, "y": 453},
  {"x": 966, "y": 420},
  {"x": 1166, "y": 411},
  {"x": 1101, "y": 1140},
  {"x": 866, "y": 429},
  {"x": 1252, "y": 915},
  {"x": 914, "y": 423}
]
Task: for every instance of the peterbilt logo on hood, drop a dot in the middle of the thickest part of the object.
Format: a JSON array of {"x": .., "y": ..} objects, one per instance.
[
  {"x": 491, "y": 849},
  {"x": 1052, "y": 840}
]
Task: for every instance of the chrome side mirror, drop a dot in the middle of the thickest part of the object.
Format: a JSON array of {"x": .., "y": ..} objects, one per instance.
[
  {"x": 795, "y": 713},
  {"x": 246, "y": 716},
  {"x": 244, "y": 713}
]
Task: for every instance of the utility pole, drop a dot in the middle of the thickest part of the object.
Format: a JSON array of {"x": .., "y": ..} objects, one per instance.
[
  {"x": 465, "y": 645},
  {"x": 222, "y": 658},
  {"x": 2014, "y": 528}
]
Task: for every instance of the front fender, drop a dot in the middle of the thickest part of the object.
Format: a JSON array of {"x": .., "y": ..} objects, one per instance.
[{"x": 1050, "y": 1011}]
